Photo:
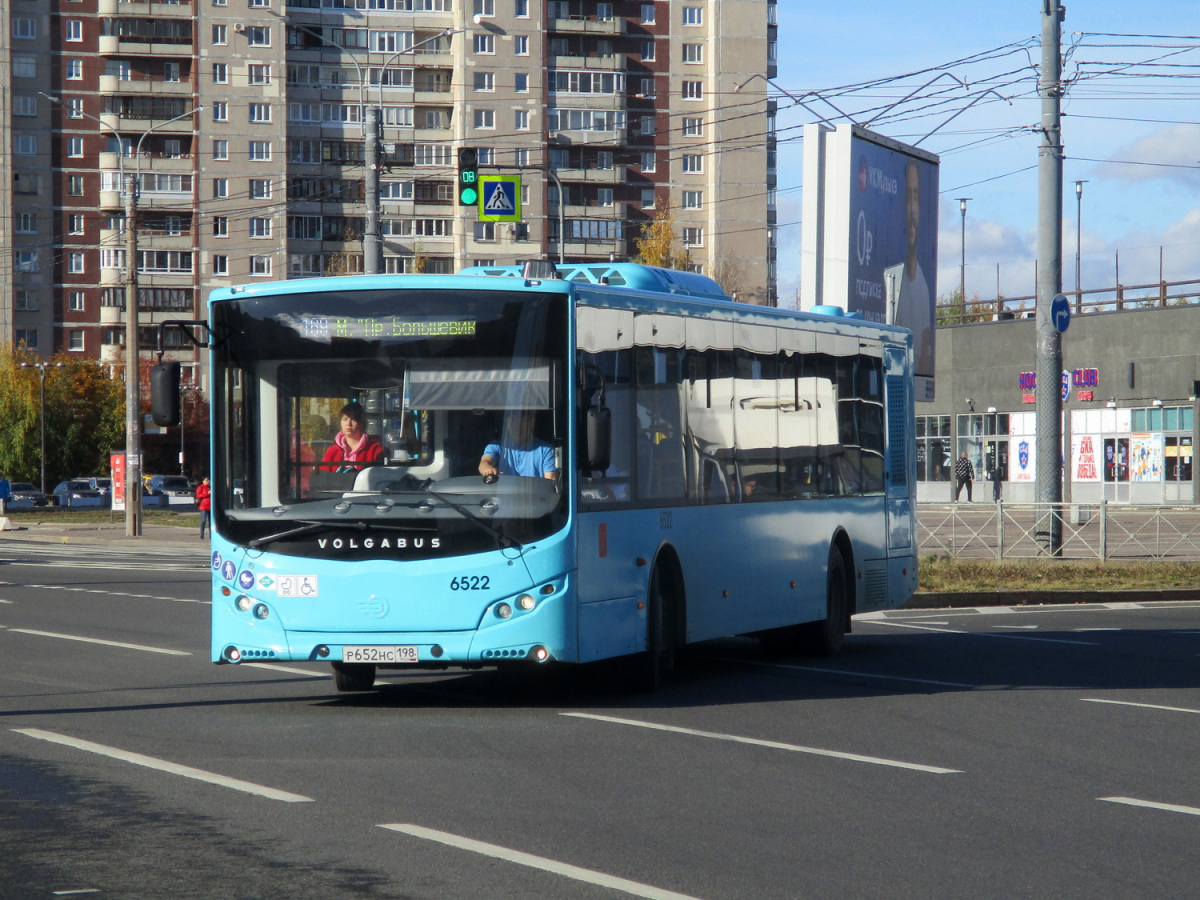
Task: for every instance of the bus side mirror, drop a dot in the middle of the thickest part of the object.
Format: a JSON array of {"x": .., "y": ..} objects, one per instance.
[
  {"x": 164, "y": 394},
  {"x": 597, "y": 438}
]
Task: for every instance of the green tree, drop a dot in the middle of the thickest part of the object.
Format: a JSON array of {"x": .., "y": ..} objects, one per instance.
[{"x": 85, "y": 414}]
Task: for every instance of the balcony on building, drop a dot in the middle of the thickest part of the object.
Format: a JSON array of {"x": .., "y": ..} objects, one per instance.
[{"x": 584, "y": 24}]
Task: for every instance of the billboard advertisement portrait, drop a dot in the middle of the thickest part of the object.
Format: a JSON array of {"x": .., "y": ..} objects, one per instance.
[{"x": 877, "y": 253}]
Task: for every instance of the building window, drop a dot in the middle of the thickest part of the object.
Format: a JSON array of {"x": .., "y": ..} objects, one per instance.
[
  {"x": 485, "y": 231},
  {"x": 485, "y": 44},
  {"x": 75, "y": 185},
  {"x": 521, "y": 45},
  {"x": 485, "y": 81},
  {"x": 485, "y": 7},
  {"x": 220, "y": 73},
  {"x": 647, "y": 51},
  {"x": 24, "y": 29},
  {"x": 75, "y": 223},
  {"x": 260, "y": 113},
  {"x": 935, "y": 461},
  {"x": 521, "y": 82},
  {"x": 693, "y": 53},
  {"x": 27, "y": 336},
  {"x": 648, "y": 198},
  {"x": 220, "y": 148},
  {"x": 693, "y": 90},
  {"x": 76, "y": 262},
  {"x": 649, "y": 161},
  {"x": 220, "y": 226},
  {"x": 521, "y": 120},
  {"x": 693, "y": 164},
  {"x": 75, "y": 340},
  {"x": 25, "y": 300},
  {"x": 220, "y": 264},
  {"x": 260, "y": 189},
  {"x": 693, "y": 237},
  {"x": 693, "y": 199},
  {"x": 260, "y": 227},
  {"x": 219, "y": 34},
  {"x": 693, "y": 15},
  {"x": 693, "y": 126},
  {"x": 521, "y": 9},
  {"x": 604, "y": 196},
  {"x": 172, "y": 72},
  {"x": 220, "y": 188},
  {"x": 74, "y": 69},
  {"x": 260, "y": 151},
  {"x": 26, "y": 223},
  {"x": 260, "y": 265},
  {"x": 485, "y": 118},
  {"x": 74, "y": 32},
  {"x": 24, "y": 66},
  {"x": 648, "y": 14},
  {"x": 76, "y": 301},
  {"x": 258, "y": 35},
  {"x": 27, "y": 261},
  {"x": 25, "y": 145},
  {"x": 75, "y": 108},
  {"x": 220, "y": 111},
  {"x": 258, "y": 73}
]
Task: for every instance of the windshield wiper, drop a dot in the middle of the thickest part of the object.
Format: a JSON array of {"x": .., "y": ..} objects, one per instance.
[
  {"x": 503, "y": 541},
  {"x": 309, "y": 526}
]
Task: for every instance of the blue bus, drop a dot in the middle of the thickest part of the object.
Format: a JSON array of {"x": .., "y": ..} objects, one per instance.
[{"x": 717, "y": 469}]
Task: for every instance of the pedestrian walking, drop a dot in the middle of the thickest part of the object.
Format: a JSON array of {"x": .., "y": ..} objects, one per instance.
[
  {"x": 964, "y": 475},
  {"x": 204, "y": 504},
  {"x": 994, "y": 478}
]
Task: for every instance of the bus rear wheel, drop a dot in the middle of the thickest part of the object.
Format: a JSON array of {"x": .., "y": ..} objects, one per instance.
[
  {"x": 353, "y": 676},
  {"x": 642, "y": 672},
  {"x": 825, "y": 637}
]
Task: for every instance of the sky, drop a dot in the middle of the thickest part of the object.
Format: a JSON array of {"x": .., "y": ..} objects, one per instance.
[{"x": 1131, "y": 128}]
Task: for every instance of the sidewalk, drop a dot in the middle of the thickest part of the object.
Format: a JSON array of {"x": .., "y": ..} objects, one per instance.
[{"x": 101, "y": 533}]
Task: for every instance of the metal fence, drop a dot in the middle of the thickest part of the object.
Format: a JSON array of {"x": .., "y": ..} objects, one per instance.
[{"x": 1101, "y": 531}]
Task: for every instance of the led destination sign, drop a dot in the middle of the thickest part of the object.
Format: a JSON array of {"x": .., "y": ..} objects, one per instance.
[{"x": 375, "y": 327}]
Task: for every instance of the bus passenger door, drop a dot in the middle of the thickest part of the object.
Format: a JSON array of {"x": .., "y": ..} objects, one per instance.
[{"x": 900, "y": 444}]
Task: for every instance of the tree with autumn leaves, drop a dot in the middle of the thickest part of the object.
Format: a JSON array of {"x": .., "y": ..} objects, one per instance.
[{"x": 85, "y": 417}]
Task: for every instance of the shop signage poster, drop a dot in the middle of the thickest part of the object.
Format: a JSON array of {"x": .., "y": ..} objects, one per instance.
[
  {"x": 1146, "y": 457},
  {"x": 1022, "y": 458},
  {"x": 1085, "y": 457}
]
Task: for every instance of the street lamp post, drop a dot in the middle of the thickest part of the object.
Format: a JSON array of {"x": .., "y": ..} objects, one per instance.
[
  {"x": 130, "y": 184},
  {"x": 962, "y": 268},
  {"x": 41, "y": 368},
  {"x": 1078, "y": 238}
]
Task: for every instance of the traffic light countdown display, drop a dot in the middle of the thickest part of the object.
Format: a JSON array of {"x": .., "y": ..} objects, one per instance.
[{"x": 468, "y": 176}]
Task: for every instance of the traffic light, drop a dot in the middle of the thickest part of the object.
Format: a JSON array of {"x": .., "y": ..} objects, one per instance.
[{"x": 468, "y": 176}]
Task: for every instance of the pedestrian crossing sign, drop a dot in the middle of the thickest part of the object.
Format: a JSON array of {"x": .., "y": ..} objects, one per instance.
[{"x": 500, "y": 198}]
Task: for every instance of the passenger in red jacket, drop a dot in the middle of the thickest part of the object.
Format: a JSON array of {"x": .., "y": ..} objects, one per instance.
[{"x": 352, "y": 447}]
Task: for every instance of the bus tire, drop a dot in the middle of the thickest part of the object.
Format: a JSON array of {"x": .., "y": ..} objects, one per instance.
[
  {"x": 353, "y": 676},
  {"x": 825, "y": 637},
  {"x": 642, "y": 672}
]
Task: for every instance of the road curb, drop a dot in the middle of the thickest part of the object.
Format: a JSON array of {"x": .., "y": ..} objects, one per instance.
[{"x": 949, "y": 600}]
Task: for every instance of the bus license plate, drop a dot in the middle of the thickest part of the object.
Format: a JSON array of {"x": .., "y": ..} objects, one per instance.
[{"x": 402, "y": 653}]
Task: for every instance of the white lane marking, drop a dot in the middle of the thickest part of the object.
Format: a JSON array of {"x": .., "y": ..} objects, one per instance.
[
  {"x": 985, "y": 634},
  {"x": 995, "y": 610},
  {"x": 75, "y": 892},
  {"x": 1122, "y": 605},
  {"x": 775, "y": 745},
  {"x": 589, "y": 876},
  {"x": 1150, "y": 804},
  {"x": 1180, "y": 709},
  {"x": 1097, "y": 629},
  {"x": 1018, "y": 627},
  {"x": 275, "y": 668},
  {"x": 850, "y": 674},
  {"x": 163, "y": 765},
  {"x": 87, "y": 640},
  {"x": 82, "y": 590}
]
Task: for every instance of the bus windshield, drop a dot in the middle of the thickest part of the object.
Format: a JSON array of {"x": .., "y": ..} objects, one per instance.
[{"x": 354, "y": 423}]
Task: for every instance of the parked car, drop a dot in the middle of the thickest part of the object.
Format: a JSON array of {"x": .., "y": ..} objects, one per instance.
[
  {"x": 25, "y": 496},
  {"x": 76, "y": 493},
  {"x": 175, "y": 489},
  {"x": 100, "y": 483}
]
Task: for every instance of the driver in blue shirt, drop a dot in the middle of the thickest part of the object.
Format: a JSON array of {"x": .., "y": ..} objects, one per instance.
[{"x": 519, "y": 453}]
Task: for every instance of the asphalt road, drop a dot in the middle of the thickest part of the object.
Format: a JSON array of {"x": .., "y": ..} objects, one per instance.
[{"x": 999, "y": 753}]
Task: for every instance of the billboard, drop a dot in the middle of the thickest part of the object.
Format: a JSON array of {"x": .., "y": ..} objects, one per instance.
[{"x": 870, "y": 224}]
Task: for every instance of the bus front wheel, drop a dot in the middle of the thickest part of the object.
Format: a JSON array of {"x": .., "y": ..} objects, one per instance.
[
  {"x": 825, "y": 637},
  {"x": 353, "y": 676}
]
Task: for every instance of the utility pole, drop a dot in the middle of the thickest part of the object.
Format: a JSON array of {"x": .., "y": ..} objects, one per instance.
[
  {"x": 372, "y": 258},
  {"x": 133, "y": 400},
  {"x": 1048, "y": 395}
]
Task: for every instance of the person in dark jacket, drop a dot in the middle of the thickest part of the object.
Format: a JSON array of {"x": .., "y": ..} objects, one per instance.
[{"x": 964, "y": 476}]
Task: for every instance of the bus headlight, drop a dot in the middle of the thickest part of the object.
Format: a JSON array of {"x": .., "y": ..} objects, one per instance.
[
  {"x": 503, "y": 611},
  {"x": 261, "y": 611},
  {"x": 244, "y": 602},
  {"x": 526, "y": 602}
]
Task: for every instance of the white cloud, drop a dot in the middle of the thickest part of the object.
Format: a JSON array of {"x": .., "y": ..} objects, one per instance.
[{"x": 1170, "y": 153}]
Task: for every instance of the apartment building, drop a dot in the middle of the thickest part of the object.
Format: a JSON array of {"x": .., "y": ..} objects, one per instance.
[{"x": 244, "y": 123}]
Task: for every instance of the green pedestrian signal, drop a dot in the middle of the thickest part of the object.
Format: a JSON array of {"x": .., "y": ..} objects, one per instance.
[{"x": 468, "y": 177}]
